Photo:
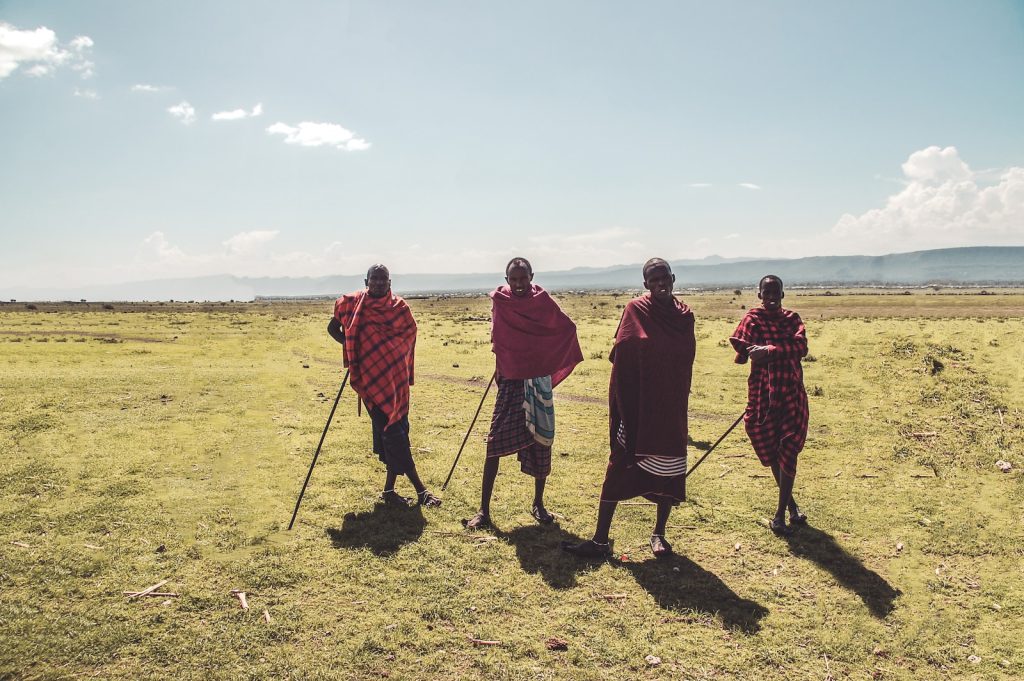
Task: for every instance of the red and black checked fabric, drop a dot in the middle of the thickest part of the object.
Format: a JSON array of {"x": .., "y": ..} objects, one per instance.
[
  {"x": 380, "y": 345},
  {"x": 509, "y": 433},
  {"x": 777, "y": 413}
]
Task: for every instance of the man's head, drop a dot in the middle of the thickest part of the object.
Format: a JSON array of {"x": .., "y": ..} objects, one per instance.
[
  {"x": 770, "y": 292},
  {"x": 378, "y": 281},
  {"x": 658, "y": 279},
  {"x": 519, "y": 276}
]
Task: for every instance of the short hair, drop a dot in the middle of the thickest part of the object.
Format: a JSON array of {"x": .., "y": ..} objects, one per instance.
[
  {"x": 377, "y": 268},
  {"x": 519, "y": 262},
  {"x": 767, "y": 278},
  {"x": 656, "y": 262}
]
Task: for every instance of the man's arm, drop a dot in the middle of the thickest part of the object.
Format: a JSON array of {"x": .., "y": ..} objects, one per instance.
[
  {"x": 794, "y": 347},
  {"x": 335, "y": 330}
]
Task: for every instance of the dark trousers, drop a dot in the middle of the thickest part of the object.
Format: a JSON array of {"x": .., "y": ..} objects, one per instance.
[{"x": 391, "y": 445}]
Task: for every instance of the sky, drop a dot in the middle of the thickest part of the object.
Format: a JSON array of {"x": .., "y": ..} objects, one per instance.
[{"x": 157, "y": 140}]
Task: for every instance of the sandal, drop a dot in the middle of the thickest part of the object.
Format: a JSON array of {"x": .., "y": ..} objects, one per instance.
[
  {"x": 797, "y": 518},
  {"x": 427, "y": 499},
  {"x": 780, "y": 529},
  {"x": 660, "y": 546},
  {"x": 480, "y": 521},
  {"x": 392, "y": 498},
  {"x": 541, "y": 515},
  {"x": 588, "y": 549}
]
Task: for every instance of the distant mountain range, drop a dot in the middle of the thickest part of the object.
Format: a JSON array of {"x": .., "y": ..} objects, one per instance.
[{"x": 981, "y": 266}]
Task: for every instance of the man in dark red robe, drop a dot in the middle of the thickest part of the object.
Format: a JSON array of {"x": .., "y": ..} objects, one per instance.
[
  {"x": 535, "y": 348},
  {"x": 378, "y": 333},
  {"x": 652, "y": 365},
  {"x": 774, "y": 339}
]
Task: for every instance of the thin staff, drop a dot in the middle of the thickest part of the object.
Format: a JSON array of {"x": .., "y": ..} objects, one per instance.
[
  {"x": 472, "y": 423},
  {"x": 315, "y": 456},
  {"x": 718, "y": 442}
]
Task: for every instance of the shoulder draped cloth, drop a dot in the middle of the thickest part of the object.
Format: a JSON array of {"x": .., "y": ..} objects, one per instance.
[{"x": 380, "y": 345}]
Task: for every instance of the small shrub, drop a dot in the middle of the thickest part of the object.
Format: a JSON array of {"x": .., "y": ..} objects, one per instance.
[
  {"x": 108, "y": 306},
  {"x": 933, "y": 365},
  {"x": 903, "y": 346},
  {"x": 31, "y": 306},
  {"x": 737, "y": 292},
  {"x": 817, "y": 391},
  {"x": 902, "y": 451}
]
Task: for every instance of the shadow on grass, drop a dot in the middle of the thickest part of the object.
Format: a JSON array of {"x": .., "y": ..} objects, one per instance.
[
  {"x": 700, "y": 445},
  {"x": 694, "y": 589},
  {"x": 539, "y": 551},
  {"x": 383, "y": 530},
  {"x": 848, "y": 570}
]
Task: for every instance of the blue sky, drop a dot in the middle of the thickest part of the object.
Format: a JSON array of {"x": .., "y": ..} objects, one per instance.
[{"x": 449, "y": 136}]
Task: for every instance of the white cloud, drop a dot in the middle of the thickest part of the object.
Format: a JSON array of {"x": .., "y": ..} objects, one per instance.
[
  {"x": 943, "y": 204},
  {"x": 18, "y": 47},
  {"x": 734, "y": 235},
  {"x": 249, "y": 242},
  {"x": 40, "y": 53},
  {"x": 183, "y": 111},
  {"x": 749, "y": 185},
  {"x": 309, "y": 134},
  {"x": 86, "y": 94},
  {"x": 238, "y": 114},
  {"x": 145, "y": 87},
  {"x": 155, "y": 247},
  {"x": 229, "y": 115}
]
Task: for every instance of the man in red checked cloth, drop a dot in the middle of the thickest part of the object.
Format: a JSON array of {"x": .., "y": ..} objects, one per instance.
[
  {"x": 774, "y": 340},
  {"x": 652, "y": 366},
  {"x": 535, "y": 348},
  {"x": 378, "y": 334}
]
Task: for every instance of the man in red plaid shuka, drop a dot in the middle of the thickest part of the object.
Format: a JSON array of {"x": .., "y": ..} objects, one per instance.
[
  {"x": 774, "y": 339},
  {"x": 378, "y": 334}
]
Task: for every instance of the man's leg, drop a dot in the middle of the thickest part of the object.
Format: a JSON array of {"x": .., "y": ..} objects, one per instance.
[
  {"x": 538, "y": 493},
  {"x": 785, "y": 482},
  {"x": 659, "y": 545},
  {"x": 664, "y": 509},
  {"x": 399, "y": 455},
  {"x": 491, "y": 464},
  {"x": 599, "y": 546},
  {"x": 605, "y": 513},
  {"x": 482, "y": 518},
  {"x": 414, "y": 478},
  {"x": 794, "y": 510}
]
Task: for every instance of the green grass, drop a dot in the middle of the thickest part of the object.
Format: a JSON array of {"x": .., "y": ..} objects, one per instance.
[{"x": 154, "y": 442}]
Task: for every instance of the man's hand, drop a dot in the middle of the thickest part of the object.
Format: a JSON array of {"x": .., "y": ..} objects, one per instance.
[{"x": 758, "y": 354}]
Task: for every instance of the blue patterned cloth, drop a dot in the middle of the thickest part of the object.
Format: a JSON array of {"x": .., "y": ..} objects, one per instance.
[{"x": 539, "y": 405}]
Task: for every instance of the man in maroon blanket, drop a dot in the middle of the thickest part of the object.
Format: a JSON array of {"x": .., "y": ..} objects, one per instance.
[
  {"x": 378, "y": 333},
  {"x": 652, "y": 364},
  {"x": 535, "y": 348},
  {"x": 774, "y": 340}
]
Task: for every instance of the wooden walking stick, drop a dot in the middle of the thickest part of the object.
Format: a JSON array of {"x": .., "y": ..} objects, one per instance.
[
  {"x": 324, "y": 435},
  {"x": 472, "y": 423},
  {"x": 726, "y": 433}
]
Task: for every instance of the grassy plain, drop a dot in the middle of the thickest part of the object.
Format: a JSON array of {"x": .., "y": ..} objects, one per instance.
[{"x": 151, "y": 442}]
